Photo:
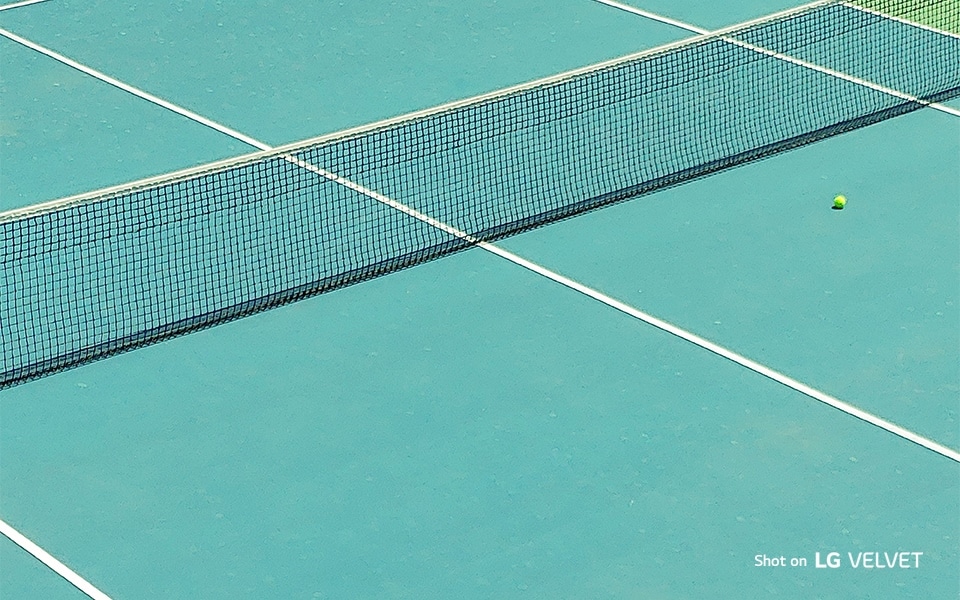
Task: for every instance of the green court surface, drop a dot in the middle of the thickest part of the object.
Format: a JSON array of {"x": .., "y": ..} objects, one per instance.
[
  {"x": 293, "y": 74},
  {"x": 934, "y": 13},
  {"x": 65, "y": 133},
  {"x": 25, "y": 577},
  {"x": 467, "y": 428},
  {"x": 862, "y": 302}
]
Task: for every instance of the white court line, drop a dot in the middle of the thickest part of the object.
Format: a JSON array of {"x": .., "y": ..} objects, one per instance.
[
  {"x": 435, "y": 110},
  {"x": 731, "y": 355},
  {"x": 556, "y": 277},
  {"x": 638, "y": 314},
  {"x": 901, "y": 20},
  {"x": 655, "y": 17},
  {"x": 19, "y": 4},
  {"x": 947, "y": 109},
  {"x": 838, "y": 74},
  {"x": 135, "y": 91},
  {"x": 58, "y": 567},
  {"x": 784, "y": 57}
]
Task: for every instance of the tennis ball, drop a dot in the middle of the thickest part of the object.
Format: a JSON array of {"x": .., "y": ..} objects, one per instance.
[{"x": 839, "y": 202}]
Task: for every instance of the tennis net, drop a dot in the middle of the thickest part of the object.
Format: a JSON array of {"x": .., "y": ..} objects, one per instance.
[{"x": 86, "y": 277}]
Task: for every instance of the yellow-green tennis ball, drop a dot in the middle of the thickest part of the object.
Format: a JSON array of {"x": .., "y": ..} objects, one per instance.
[{"x": 839, "y": 202}]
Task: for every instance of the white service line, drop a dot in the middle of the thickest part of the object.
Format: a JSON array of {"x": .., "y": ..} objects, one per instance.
[
  {"x": 556, "y": 277},
  {"x": 19, "y": 4},
  {"x": 135, "y": 91},
  {"x": 58, "y": 567},
  {"x": 947, "y": 109},
  {"x": 95, "y": 594},
  {"x": 729, "y": 355},
  {"x": 655, "y": 17},
  {"x": 838, "y": 74},
  {"x": 638, "y": 314},
  {"x": 901, "y": 20},
  {"x": 784, "y": 57}
]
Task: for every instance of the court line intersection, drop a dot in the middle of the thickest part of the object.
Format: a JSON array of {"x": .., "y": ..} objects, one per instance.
[
  {"x": 556, "y": 277},
  {"x": 95, "y": 594},
  {"x": 796, "y": 61}
]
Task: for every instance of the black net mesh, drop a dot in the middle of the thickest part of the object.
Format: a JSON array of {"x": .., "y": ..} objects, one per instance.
[{"x": 89, "y": 277}]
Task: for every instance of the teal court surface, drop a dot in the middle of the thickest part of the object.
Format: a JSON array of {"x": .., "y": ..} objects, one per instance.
[{"x": 478, "y": 426}]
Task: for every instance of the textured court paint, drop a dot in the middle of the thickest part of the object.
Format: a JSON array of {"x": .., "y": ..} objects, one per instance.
[
  {"x": 935, "y": 14},
  {"x": 52, "y": 562},
  {"x": 23, "y": 576},
  {"x": 729, "y": 121},
  {"x": 241, "y": 455},
  {"x": 843, "y": 71},
  {"x": 862, "y": 304},
  {"x": 62, "y": 133},
  {"x": 458, "y": 430},
  {"x": 728, "y": 354},
  {"x": 380, "y": 198},
  {"x": 653, "y": 16},
  {"x": 301, "y": 73},
  {"x": 886, "y": 75},
  {"x": 14, "y": 5},
  {"x": 946, "y": 109},
  {"x": 713, "y": 15}
]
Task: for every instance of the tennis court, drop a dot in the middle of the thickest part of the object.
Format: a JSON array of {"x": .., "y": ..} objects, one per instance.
[{"x": 508, "y": 417}]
